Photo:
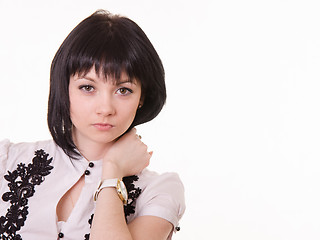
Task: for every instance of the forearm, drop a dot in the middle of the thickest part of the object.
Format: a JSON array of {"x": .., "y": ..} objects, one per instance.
[
  {"x": 128, "y": 156},
  {"x": 109, "y": 221}
]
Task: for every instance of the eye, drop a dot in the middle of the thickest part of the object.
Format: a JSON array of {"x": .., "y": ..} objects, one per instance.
[
  {"x": 124, "y": 91},
  {"x": 87, "y": 88}
]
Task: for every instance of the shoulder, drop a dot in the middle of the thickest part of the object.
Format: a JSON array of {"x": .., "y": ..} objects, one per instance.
[
  {"x": 4, "y": 148},
  {"x": 169, "y": 182},
  {"x": 11, "y": 150},
  {"x": 13, "y": 153}
]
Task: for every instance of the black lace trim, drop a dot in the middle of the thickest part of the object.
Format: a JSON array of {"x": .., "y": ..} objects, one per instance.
[
  {"x": 133, "y": 194},
  {"x": 87, "y": 236},
  {"x": 22, "y": 182}
]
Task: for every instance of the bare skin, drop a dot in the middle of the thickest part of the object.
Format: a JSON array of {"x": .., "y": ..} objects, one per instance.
[{"x": 94, "y": 100}]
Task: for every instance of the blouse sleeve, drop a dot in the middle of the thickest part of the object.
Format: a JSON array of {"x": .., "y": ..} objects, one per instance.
[
  {"x": 163, "y": 197},
  {"x": 4, "y": 147}
]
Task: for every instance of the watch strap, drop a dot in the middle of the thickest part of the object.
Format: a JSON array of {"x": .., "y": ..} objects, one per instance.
[
  {"x": 116, "y": 183},
  {"x": 104, "y": 184}
]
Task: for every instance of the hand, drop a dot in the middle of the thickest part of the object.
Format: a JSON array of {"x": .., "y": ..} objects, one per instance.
[{"x": 127, "y": 156}]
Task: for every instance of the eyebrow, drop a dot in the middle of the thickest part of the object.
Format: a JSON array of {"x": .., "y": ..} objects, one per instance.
[
  {"x": 85, "y": 77},
  {"x": 124, "y": 81}
]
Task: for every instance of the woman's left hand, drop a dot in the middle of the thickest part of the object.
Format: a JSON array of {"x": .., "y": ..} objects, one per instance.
[{"x": 127, "y": 156}]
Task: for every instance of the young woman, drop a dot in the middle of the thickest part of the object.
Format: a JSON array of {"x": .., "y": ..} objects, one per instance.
[{"x": 91, "y": 180}]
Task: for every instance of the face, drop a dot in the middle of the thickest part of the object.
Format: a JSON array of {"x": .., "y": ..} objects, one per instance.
[{"x": 101, "y": 110}]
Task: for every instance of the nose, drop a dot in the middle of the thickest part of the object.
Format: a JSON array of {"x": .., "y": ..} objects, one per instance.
[{"x": 105, "y": 105}]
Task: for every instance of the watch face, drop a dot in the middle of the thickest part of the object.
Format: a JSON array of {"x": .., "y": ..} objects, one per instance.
[{"x": 123, "y": 190}]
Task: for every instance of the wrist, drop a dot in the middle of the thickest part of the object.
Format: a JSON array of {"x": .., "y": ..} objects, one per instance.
[
  {"x": 111, "y": 170},
  {"x": 113, "y": 183}
]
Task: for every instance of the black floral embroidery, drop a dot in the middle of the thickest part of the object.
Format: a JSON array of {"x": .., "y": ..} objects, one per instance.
[
  {"x": 86, "y": 237},
  {"x": 22, "y": 183},
  {"x": 133, "y": 194}
]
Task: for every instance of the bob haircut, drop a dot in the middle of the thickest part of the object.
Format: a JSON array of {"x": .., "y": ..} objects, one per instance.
[{"x": 112, "y": 44}]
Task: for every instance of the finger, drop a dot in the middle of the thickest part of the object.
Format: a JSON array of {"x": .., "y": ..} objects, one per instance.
[{"x": 147, "y": 162}]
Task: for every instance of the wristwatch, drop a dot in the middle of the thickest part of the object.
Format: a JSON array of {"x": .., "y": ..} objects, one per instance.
[{"x": 116, "y": 183}]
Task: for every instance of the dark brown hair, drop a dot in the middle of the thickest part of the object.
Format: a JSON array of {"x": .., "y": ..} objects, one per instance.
[{"x": 112, "y": 44}]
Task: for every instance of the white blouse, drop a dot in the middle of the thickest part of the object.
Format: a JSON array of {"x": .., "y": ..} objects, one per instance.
[{"x": 35, "y": 176}]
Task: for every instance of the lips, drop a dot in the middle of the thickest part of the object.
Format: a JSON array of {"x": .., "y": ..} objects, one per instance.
[{"x": 103, "y": 126}]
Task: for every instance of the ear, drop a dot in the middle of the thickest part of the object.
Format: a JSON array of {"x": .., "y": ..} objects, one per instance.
[{"x": 141, "y": 102}]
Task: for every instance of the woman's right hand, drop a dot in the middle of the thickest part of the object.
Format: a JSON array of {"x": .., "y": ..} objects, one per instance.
[{"x": 127, "y": 156}]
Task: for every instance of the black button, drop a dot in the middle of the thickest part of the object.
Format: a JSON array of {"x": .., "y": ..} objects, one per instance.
[
  {"x": 61, "y": 235},
  {"x": 91, "y": 164},
  {"x": 87, "y": 172},
  {"x": 178, "y": 229}
]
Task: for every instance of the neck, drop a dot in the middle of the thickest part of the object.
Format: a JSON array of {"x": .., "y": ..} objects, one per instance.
[
  {"x": 94, "y": 151},
  {"x": 91, "y": 150}
]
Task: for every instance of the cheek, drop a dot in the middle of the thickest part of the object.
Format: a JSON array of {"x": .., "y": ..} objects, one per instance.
[
  {"x": 73, "y": 106},
  {"x": 129, "y": 113},
  {"x": 77, "y": 108}
]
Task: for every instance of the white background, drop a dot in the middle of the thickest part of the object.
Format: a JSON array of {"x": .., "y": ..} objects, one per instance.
[{"x": 241, "y": 123}]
